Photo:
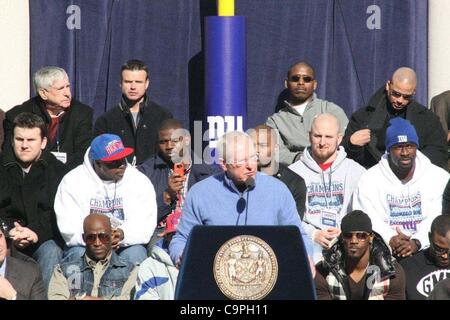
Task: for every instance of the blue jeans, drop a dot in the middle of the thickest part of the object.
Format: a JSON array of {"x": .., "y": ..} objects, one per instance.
[
  {"x": 134, "y": 254},
  {"x": 47, "y": 256}
]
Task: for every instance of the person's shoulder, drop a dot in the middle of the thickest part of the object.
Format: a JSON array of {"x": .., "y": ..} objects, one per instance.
[
  {"x": 269, "y": 182},
  {"x": 26, "y": 106},
  {"x": 208, "y": 184},
  {"x": 353, "y": 165},
  {"x": 155, "y": 107},
  {"x": 80, "y": 106},
  {"x": 412, "y": 261},
  {"x": 441, "y": 96},
  {"x": 23, "y": 266}
]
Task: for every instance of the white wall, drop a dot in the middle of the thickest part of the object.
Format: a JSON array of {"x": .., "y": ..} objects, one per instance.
[
  {"x": 15, "y": 53},
  {"x": 438, "y": 47}
]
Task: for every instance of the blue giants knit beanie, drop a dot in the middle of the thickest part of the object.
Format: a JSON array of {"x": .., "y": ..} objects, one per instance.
[{"x": 400, "y": 131}]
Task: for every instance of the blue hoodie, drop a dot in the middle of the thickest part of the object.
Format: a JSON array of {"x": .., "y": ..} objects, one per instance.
[{"x": 213, "y": 202}]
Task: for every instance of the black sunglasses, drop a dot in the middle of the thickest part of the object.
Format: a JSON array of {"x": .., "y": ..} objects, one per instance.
[
  {"x": 91, "y": 238},
  {"x": 306, "y": 79},
  {"x": 359, "y": 235},
  {"x": 113, "y": 164}
]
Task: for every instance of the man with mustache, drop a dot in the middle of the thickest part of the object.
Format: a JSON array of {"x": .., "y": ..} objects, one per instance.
[
  {"x": 366, "y": 131},
  {"x": 107, "y": 184},
  {"x": 359, "y": 266},
  {"x": 293, "y": 120},
  {"x": 402, "y": 194}
]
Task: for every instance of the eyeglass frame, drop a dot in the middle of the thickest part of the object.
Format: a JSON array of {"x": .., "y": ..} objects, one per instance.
[
  {"x": 438, "y": 250},
  {"x": 98, "y": 236},
  {"x": 358, "y": 235},
  {"x": 115, "y": 164},
  {"x": 396, "y": 94},
  {"x": 305, "y": 78}
]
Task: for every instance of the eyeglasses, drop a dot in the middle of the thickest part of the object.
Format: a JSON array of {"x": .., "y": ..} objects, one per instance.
[
  {"x": 242, "y": 162},
  {"x": 438, "y": 250},
  {"x": 296, "y": 78},
  {"x": 398, "y": 95},
  {"x": 113, "y": 164},
  {"x": 91, "y": 238},
  {"x": 361, "y": 236}
]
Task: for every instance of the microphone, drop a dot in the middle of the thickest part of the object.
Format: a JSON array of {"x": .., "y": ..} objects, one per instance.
[
  {"x": 242, "y": 203},
  {"x": 249, "y": 183}
]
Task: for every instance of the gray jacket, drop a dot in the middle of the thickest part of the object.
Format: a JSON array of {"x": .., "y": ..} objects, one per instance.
[{"x": 294, "y": 128}]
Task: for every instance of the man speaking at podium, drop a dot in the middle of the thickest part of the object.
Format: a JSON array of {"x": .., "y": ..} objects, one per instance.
[{"x": 238, "y": 196}]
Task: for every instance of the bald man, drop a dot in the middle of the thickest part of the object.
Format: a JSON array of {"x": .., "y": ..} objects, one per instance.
[
  {"x": 293, "y": 121},
  {"x": 364, "y": 138},
  {"x": 330, "y": 179},
  {"x": 100, "y": 274}
]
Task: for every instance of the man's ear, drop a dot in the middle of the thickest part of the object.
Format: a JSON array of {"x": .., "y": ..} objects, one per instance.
[
  {"x": 222, "y": 164},
  {"x": 43, "y": 143},
  {"x": 285, "y": 83},
  {"x": 315, "y": 85},
  {"x": 339, "y": 139},
  {"x": 43, "y": 94}
]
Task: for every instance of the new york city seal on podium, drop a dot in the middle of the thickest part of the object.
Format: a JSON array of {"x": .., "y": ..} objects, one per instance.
[{"x": 245, "y": 268}]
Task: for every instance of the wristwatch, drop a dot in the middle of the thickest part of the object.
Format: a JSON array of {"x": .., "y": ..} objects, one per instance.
[{"x": 418, "y": 244}]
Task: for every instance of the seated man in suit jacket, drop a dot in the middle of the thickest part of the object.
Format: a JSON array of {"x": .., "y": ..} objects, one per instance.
[{"x": 19, "y": 279}]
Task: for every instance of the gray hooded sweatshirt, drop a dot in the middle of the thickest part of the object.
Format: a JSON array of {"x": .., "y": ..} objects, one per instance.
[{"x": 328, "y": 191}]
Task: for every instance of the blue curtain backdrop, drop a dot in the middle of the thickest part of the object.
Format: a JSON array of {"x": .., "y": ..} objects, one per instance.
[{"x": 354, "y": 45}]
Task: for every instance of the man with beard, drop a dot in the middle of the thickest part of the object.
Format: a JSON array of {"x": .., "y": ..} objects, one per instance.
[
  {"x": 359, "y": 266},
  {"x": 402, "y": 194},
  {"x": 425, "y": 269},
  {"x": 267, "y": 147},
  {"x": 366, "y": 131},
  {"x": 330, "y": 179},
  {"x": 135, "y": 119},
  {"x": 106, "y": 184},
  {"x": 293, "y": 120}
]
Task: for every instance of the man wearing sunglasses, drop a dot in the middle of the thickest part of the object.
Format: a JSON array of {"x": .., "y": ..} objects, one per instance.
[
  {"x": 402, "y": 194},
  {"x": 365, "y": 134},
  {"x": 425, "y": 269},
  {"x": 100, "y": 274},
  {"x": 359, "y": 265},
  {"x": 294, "y": 119},
  {"x": 106, "y": 184}
]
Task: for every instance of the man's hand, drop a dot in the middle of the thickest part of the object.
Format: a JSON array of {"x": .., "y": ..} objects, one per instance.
[
  {"x": 117, "y": 236},
  {"x": 175, "y": 184},
  {"x": 324, "y": 237},
  {"x": 7, "y": 291},
  {"x": 360, "y": 137},
  {"x": 22, "y": 236},
  {"x": 402, "y": 245}
]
